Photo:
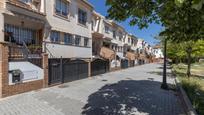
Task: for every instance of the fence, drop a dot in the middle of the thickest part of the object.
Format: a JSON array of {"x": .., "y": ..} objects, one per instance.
[
  {"x": 124, "y": 63},
  {"x": 22, "y": 53},
  {"x": 99, "y": 66}
]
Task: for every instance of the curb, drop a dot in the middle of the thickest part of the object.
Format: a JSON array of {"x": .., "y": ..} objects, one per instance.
[{"x": 186, "y": 101}]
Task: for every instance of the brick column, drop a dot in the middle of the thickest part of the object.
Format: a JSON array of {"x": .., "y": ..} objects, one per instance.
[
  {"x": 3, "y": 68},
  {"x": 45, "y": 68}
]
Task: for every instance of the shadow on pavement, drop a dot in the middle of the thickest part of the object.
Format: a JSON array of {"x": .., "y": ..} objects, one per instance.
[
  {"x": 168, "y": 74},
  {"x": 168, "y": 67},
  {"x": 130, "y": 97}
]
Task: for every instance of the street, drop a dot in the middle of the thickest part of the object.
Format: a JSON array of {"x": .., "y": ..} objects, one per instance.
[{"x": 134, "y": 91}]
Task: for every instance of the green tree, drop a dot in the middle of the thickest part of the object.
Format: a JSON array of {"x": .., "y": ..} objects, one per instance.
[{"x": 182, "y": 22}]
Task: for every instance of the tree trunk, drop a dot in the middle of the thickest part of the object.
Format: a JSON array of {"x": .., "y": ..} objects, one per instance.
[{"x": 189, "y": 51}]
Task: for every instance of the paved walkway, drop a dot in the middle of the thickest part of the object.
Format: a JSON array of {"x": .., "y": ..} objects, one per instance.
[{"x": 134, "y": 91}]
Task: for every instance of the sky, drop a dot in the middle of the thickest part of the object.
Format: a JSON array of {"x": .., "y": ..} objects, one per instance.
[{"x": 146, "y": 34}]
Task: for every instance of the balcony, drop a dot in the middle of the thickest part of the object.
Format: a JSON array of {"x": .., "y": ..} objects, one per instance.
[
  {"x": 35, "y": 6},
  {"x": 107, "y": 53}
]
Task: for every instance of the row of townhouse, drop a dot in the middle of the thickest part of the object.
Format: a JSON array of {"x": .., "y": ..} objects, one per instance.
[{"x": 52, "y": 41}]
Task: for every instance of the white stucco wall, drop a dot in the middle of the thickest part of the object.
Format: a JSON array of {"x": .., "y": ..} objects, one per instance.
[
  {"x": 110, "y": 32},
  {"x": 30, "y": 72},
  {"x": 71, "y": 24},
  {"x": 158, "y": 53},
  {"x": 1, "y": 27},
  {"x": 66, "y": 51}
]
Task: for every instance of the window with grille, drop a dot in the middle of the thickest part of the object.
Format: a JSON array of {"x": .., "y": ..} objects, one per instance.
[
  {"x": 114, "y": 34},
  {"x": 55, "y": 36},
  {"x": 77, "y": 40},
  {"x": 106, "y": 29},
  {"x": 61, "y": 7},
  {"x": 19, "y": 35},
  {"x": 86, "y": 42},
  {"x": 68, "y": 38},
  {"x": 82, "y": 17}
]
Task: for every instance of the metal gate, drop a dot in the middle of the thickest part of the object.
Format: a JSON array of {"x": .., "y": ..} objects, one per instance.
[
  {"x": 74, "y": 70},
  {"x": 140, "y": 62},
  {"x": 66, "y": 70},
  {"x": 99, "y": 66},
  {"x": 132, "y": 63},
  {"x": 124, "y": 63},
  {"x": 54, "y": 71}
]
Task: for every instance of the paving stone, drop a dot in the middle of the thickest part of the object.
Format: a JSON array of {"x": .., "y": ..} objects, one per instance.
[{"x": 133, "y": 91}]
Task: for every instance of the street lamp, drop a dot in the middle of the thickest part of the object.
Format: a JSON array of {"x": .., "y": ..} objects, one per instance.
[{"x": 164, "y": 83}]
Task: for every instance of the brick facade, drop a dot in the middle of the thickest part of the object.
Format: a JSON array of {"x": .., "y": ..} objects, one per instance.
[
  {"x": 8, "y": 90},
  {"x": 45, "y": 68}
]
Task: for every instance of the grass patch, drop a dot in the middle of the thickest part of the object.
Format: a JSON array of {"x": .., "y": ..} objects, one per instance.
[
  {"x": 196, "y": 68},
  {"x": 194, "y": 88}
]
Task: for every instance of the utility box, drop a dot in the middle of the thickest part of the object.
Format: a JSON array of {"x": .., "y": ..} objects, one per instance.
[{"x": 17, "y": 76}]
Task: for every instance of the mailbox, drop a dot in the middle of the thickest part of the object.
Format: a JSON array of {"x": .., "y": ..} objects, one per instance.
[{"x": 17, "y": 76}]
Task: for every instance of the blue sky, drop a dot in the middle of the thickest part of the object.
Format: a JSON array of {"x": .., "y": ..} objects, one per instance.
[{"x": 146, "y": 34}]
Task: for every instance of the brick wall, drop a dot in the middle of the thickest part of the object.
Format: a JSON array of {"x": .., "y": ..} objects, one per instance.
[
  {"x": 8, "y": 90},
  {"x": 45, "y": 68}
]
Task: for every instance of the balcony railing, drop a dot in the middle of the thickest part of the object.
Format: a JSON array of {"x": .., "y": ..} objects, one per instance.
[
  {"x": 33, "y": 6},
  {"x": 30, "y": 53}
]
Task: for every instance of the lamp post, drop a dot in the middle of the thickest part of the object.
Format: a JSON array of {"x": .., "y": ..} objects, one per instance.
[{"x": 164, "y": 83}]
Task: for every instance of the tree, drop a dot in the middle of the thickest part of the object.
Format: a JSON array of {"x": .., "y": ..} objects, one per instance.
[
  {"x": 181, "y": 50},
  {"x": 196, "y": 4},
  {"x": 182, "y": 22}
]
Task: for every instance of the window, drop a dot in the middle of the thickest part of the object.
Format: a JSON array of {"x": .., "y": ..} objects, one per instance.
[
  {"x": 92, "y": 25},
  {"x": 123, "y": 39},
  {"x": 120, "y": 36},
  {"x": 77, "y": 40},
  {"x": 61, "y": 7},
  {"x": 114, "y": 34},
  {"x": 82, "y": 17},
  {"x": 55, "y": 36},
  {"x": 26, "y": 1},
  {"x": 106, "y": 29},
  {"x": 132, "y": 41},
  {"x": 86, "y": 42},
  {"x": 19, "y": 35},
  {"x": 128, "y": 40},
  {"x": 68, "y": 38}
]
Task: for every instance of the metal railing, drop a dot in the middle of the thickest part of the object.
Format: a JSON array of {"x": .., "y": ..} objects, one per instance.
[
  {"x": 30, "y": 53},
  {"x": 29, "y": 6}
]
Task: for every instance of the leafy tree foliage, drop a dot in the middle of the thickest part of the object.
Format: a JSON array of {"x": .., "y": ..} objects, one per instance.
[
  {"x": 181, "y": 22},
  {"x": 183, "y": 19},
  {"x": 177, "y": 51}
]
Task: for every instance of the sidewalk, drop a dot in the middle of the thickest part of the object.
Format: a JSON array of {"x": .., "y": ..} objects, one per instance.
[{"x": 134, "y": 91}]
